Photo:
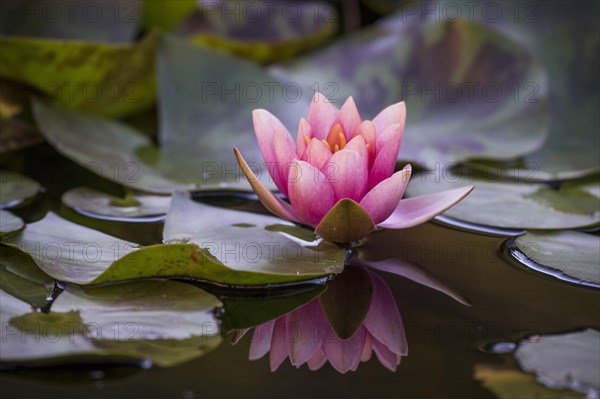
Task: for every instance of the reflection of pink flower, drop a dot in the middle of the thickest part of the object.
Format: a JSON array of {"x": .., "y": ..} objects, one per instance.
[
  {"x": 341, "y": 168},
  {"x": 305, "y": 336}
]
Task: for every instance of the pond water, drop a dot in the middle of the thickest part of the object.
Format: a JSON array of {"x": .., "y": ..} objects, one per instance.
[{"x": 450, "y": 345}]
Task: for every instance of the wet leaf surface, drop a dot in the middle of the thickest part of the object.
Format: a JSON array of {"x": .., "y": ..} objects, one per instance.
[
  {"x": 9, "y": 223},
  {"x": 16, "y": 189}
]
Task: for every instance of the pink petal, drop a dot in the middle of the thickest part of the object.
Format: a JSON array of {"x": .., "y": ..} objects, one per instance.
[
  {"x": 310, "y": 192},
  {"x": 387, "y": 155},
  {"x": 347, "y": 172},
  {"x": 278, "y": 344},
  {"x": 367, "y": 348},
  {"x": 304, "y": 130},
  {"x": 284, "y": 156},
  {"x": 383, "y": 320},
  {"x": 268, "y": 199},
  {"x": 392, "y": 115},
  {"x": 414, "y": 211},
  {"x": 307, "y": 326},
  {"x": 359, "y": 145},
  {"x": 349, "y": 118},
  {"x": 317, "y": 360},
  {"x": 381, "y": 201},
  {"x": 261, "y": 340},
  {"x": 344, "y": 354},
  {"x": 265, "y": 125},
  {"x": 387, "y": 358},
  {"x": 316, "y": 153},
  {"x": 321, "y": 116},
  {"x": 367, "y": 130}
]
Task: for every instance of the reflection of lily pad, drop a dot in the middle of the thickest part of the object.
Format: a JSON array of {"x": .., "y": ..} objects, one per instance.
[
  {"x": 513, "y": 205},
  {"x": 453, "y": 77},
  {"x": 96, "y": 204},
  {"x": 99, "y": 78},
  {"x": 569, "y": 255},
  {"x": 16, "y": 188},
  {"x": 9, "y": 223},
  {"x": 569, "y": 360}
]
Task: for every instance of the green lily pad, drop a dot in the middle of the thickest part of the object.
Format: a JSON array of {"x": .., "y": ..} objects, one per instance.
[
  {"x": 98, "y": 153},
  {"x": 21, "y": 277},
  {"x": 570, "y": 360},
  {"x": 263, "y": 31},
  {"x": 459, "y": 80},
  {"x": 9, "y": 223},
  {"x": 99, "y": 78},
  {"x": 568, "y": 255},
  {"x": 347, "y": 300},
  {"x": 514, "y": 205},
  {"x": 97, "y": 204},
  {"x": 162, "y": 321},
  {"x": 248, "y": 247},
  {"x": 16, "y": 189},
  {"x": 85, "y": 20}
]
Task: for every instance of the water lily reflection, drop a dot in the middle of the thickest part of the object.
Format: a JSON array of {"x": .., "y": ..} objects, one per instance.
[{"x": 305, "y": 335}]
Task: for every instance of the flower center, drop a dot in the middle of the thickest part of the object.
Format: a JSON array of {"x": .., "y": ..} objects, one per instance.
[{"x": 335, "y": 139}]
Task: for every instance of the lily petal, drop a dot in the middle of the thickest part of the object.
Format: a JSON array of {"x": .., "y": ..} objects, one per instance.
[
  {"x": 304, "y": 131},
  {"x": 367, "y": 130},
  {"x": 381, "y": 201},
  {"x": 321, "y": 115},
  {"x": 383, "y": 321},
  {"x": 387, "y": 358},
  {"x": 310, "y": 192},
  {"x": 309, "y": 326},
  {"x": 367, "y": 348},
  {"x": 284, "y": 156},
  {"x": 261, "y": 340},
  {"x": 392, "y": 115},
  {"x": 317, "y": 360},
  {"x": 349, "y": 118},
  {"x": 387, "y": 155},
  {"x": 279, "y": 350},
  {"x": 344, "y": 354},
  {"x": 316, "y": 153},
  {"x": 266, "y": 197},
  {"x": 414, "y": 211},
  {"x": 265, "y": 125},
  {"x": 347, "y": 172}
]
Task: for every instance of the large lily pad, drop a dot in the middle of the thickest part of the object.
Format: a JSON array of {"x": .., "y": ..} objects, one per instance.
[
  {"x": 569, "y": 360},
  {"x": 459, "y": 81},
  {"x": 251, "y": 247},
  {"x": 514, "y": 205},
  {"x": 162, "y": 321},
  {"x": 16, "y": 189},
  {"x": 568, "y": 255},
  {"x": 98, "y": 78},
  {"x": 9, "y": 223},
  {"x": 135, "y": 207}
]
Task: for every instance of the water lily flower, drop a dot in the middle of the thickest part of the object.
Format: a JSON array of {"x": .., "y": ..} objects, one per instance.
[
  {"x": 306, "y": 337},
  {"x": 339, "y": 172}
]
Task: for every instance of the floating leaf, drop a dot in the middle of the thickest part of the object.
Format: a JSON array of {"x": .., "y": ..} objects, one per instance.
[
  {"x": 99, "y": 78},
  {"x": 250, "y": 247},
  {"x": 16, "y": 189},
  {"x": 513, "y": 205},
  {"x": 347, "y": 300},
  {"x": 569, "y": 360},
  {"x": 568, "y": 255},
  {"x": 136, "y": 206},
  {"x": 470, "y": 92},
  {"x": 99, "y": 151},
  {"x": 21, "y": 277},
  {"x": 262, "y": 31},
  {"x": 9, "y": 223}
]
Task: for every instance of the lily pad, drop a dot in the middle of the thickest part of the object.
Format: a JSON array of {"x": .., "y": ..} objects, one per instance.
[
  {"x": 459, "y": 80},
  {"x": 21, "y": 278},
  {"x": 16, "y": 189},
  {"x": 570, "y": 360},
  {"x": 263, "y": 31},
  {"x": 251, "y": 247},
  {"x": 568, "y": 255},
  {"x": 99, "y": 78},
  {"x": 135, "y": 207},
  {"x": 514, "y": 205},
  {"x": 9, "y": 223},
  {"x": 99, "y": 153}
]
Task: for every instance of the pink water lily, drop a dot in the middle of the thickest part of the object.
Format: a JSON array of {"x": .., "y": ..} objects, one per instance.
[{"x": 339, "y": 172}]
